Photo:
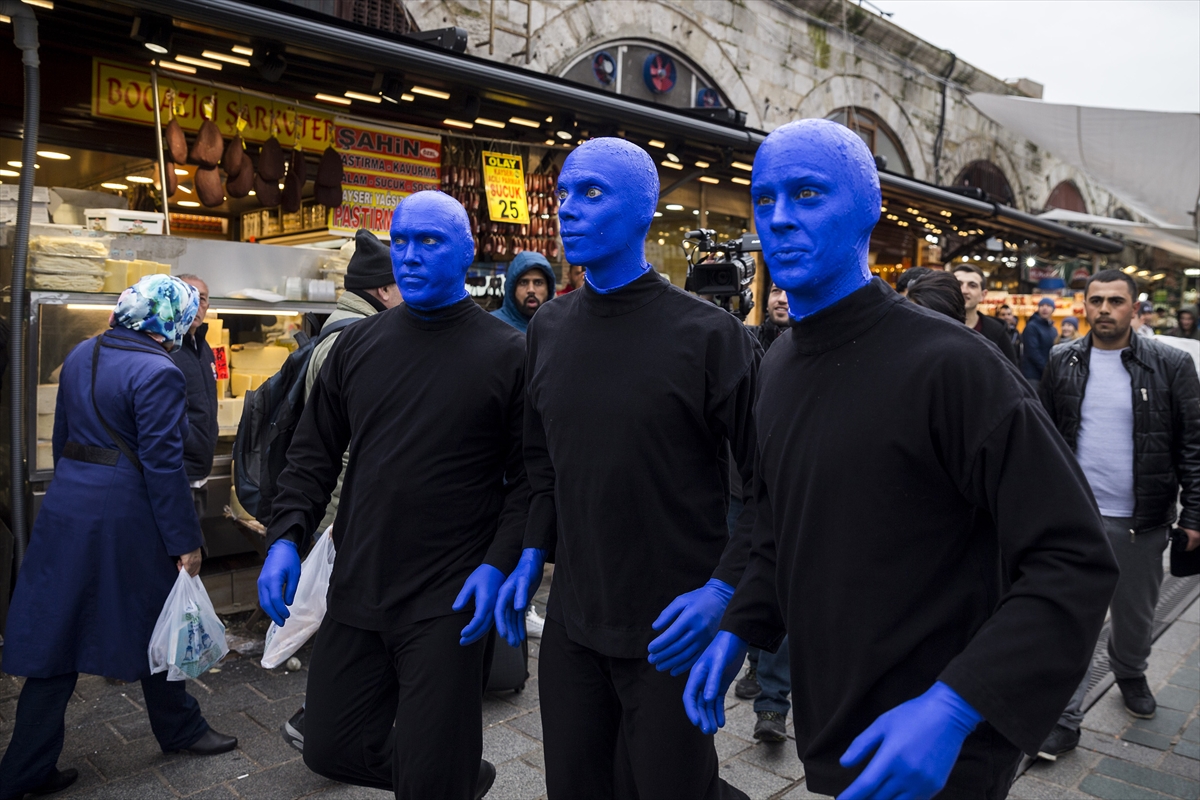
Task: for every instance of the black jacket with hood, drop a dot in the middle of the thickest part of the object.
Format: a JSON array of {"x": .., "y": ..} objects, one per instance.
[{"x": 1166, "y": 422}]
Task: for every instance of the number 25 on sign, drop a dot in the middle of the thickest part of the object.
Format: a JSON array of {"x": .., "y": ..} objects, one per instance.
[{"x": 504, "y": 184}]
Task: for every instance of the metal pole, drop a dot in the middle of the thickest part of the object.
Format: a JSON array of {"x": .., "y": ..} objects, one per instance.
[{"x": 162, "y": 158}]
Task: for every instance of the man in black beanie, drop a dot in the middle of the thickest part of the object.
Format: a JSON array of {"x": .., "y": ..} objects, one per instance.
[{"x": 370, "y": 288}]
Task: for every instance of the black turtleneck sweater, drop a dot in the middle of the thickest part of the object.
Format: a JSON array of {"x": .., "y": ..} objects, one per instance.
[
  {"x": 632, "y": 397},
  {"x": 431, "y": 409},
  {"x": 919, "y": 519}
]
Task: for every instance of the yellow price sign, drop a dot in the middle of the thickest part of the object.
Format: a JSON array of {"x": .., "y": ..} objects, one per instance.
[{"x": 504, "y": 184}]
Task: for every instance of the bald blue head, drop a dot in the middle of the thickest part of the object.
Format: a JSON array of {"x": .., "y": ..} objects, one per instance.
[
  {"x": 815, "y": 191},
  {"x": 432, "y": 249},
  {"x": 607, "y": 193}
]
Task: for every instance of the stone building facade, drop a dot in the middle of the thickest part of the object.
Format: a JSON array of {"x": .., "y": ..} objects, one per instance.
[{"x": 779, "y": 60}]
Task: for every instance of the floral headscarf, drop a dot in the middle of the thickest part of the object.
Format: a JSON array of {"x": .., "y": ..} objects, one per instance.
[{"x": 158, "y": 304}]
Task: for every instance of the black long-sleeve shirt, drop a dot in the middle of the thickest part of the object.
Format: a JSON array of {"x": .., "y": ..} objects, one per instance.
[
  {"x": 919, "y": 519},
  {"x": 431, "y": 409},
  {"x": 632, "y": 396}
]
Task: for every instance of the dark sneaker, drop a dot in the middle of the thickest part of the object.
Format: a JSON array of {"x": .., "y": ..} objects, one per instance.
[
  {"x": 771, "y": 727},
  {"x": 60, "y": 780},
  {"x": 1138, "y": 700},
  {"x": 487, "y": 776},
  {"x": 747, "y": 688},
  {"x": 1061, "y": 740},
  {"x": 293, "y": 730}
]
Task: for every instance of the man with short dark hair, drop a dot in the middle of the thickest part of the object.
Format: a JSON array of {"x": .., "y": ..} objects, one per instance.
[
  {"x": 1005, "y": 314},
  {"x": 1146, "y": 319},
  {"x": 939, "y": 291},
  {"x": 907, "y": 277},
  {"x": 775, "y": 321},
  {"x": 1039, "y": 337},
  {"x": 974, "y": 287},
  {"x": 1130, "y": 409}
]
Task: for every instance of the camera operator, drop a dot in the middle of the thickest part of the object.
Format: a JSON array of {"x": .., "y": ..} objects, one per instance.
[{"x": 775, "y": 321}]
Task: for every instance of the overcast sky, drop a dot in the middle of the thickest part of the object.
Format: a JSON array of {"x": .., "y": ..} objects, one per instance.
[{"x": 1142, "y": 54}]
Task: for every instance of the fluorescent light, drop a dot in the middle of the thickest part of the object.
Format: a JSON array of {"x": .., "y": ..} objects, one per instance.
[
  {"x": 279, "y": 312},
  {"x": 406, "y": 97},
  {"x": 563, "y": 134},
  {"x": 658, "y": 213},
  {"x": 674, "y": 207},
  {"x": 185, "y": 190},
  {"x": 671, "y": 164},
  {"x": 673, "y": 158},
  {"x": 252, "y": 193},
  {"x": 550, "y": 143},
  {"x": 329, "y": 98},
  {"x": 1143, "y": 273},
  {"x": 116, "y": 186},
  {"x": 53, "y": 155},
  {"x": 440, "y": 95},
  {"x": 458, "y": 123},
  {"x": 491, "y": 123},
  {"x": 46, "y": 4},
  {"x": 88, "y": 307},
  {"x": 228, "y": 59},
  {"x": 656, "y": 143},
  {"x": 703, "y": 164},
  {"x": 8, "y": 173},
  {"x": 740, "y": 181},
  {"x": 188, "y": 204},
  {"x": 1192, "y": 272},
  {"x": 198, "y": 62},
  {"x": 242, "y": 50},
  {"x": 550, "y": 119},
  {"x": 138, "y": 179},
  {"x": 528, "y": 123},
  {"x": 741, "y": 165},
  {"x": 17, "y": 164},
  {"x": 366, "y": 98},
  {"x": 177, "y": 67},
  {"x": 708, "y": 179},
  {"x": 181, "y": 172},
  {"x": 5, "y": 19}
]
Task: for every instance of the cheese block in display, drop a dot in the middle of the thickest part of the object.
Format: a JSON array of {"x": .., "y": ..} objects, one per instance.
[
  {"x": 45, "y": 426},
  {"x": 47, "y": 397},
  {"x": 239, "y": 382},
  {"x": 229, "y": 411},
  {"x": 222, "y": 388},
  {"x": 118, "y": 279},
  {"x": 45, "y": 455},
  {"x": 257, "y": 358}
]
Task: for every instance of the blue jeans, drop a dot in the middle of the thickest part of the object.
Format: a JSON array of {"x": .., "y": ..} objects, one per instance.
[{"x": 775, "y": 679}]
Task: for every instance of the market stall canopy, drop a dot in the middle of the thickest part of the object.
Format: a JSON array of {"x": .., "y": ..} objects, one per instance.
[
  {"x": 1138, "y": 231},
  {"x": 1149, "y": 159}
]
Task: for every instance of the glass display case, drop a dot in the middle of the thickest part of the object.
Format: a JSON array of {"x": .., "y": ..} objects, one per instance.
[{"x": 59, "y": 321}]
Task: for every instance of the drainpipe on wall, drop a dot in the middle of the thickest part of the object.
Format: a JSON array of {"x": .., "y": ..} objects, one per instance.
[
  {"x": 25, "y": 37},
  {"x": 937, "y": 142}
]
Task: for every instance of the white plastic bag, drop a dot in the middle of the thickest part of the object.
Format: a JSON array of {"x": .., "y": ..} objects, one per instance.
[
  {"x": 188, "y": 637},
  {"x": 308, "y": 606}
]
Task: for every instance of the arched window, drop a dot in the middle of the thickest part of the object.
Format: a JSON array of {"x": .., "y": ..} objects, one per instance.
[
  {"x": 645, "y": 70},
  {"x": 1067, "y": 197},
  {"x": 876, "y": 133},
  {"x": 987, "y": 176}
]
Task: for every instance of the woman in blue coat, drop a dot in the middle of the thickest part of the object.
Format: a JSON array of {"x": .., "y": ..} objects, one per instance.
[{"x": 115, "y": 528}]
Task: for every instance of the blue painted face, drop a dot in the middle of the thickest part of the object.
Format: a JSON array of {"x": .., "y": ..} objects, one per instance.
[
  {"x": 432, "y": 249},
  {"x": 607, "y": 193},
  {"x": 815, "y": 190}
]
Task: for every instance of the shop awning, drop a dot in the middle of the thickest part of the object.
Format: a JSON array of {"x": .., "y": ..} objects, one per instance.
[
  {"x": 966, "y": 224},
  {"x": 1139, "y": 232},
  {"x": 1149, "y": 159}
]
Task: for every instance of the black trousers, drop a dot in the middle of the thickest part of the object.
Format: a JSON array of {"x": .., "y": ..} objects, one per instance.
[
  {"x": 984, "y": 769},
  {"x": 615, "y": 728},
  {"x": 37, "y": 737},
  {"x": 397, "y": 710}
]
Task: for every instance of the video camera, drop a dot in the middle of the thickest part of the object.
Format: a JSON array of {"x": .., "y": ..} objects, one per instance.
[{"x": 722, "y": 270}]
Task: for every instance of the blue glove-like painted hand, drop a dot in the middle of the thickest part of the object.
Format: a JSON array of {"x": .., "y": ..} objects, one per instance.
[
  {"x": 516, "y": 593},
  {"x": 915, "y": 744},
  {"x": 693, "y": 617},
  {"x": 278, "y": 579},
  {"x": 704, "y": 695},
  {"x": 484, "y": 585}
]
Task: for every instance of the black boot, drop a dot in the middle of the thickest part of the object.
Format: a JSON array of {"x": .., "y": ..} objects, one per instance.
[
  {"x": 487, "y": 776},
  {"x": 211, "y": 744}
]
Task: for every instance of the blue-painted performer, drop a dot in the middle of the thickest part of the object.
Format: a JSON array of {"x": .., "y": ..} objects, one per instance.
[
  {"x": 941, "y": 600},
  {"x": 634, "y": 388},
  {"x": 115, "y": 528},
  {"x": 427, "y": 396}
]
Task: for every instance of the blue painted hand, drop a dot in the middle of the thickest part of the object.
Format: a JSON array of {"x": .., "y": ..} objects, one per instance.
[
  {"x": 815, "y": 190},
  {"x": 704, "y": 695},
  {"x": 432, "y": 249},
  {"x": 607, "y": 193},
  {"x": 915, "y": 746},
  {"x": 693, "y": 618},
  {"x": 278, "y": 579},
  {"x": 516, "y": 593},
  {"x": 482, "y": 586}
]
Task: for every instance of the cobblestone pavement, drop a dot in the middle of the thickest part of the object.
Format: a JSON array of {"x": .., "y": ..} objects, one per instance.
[{"x": 108, "y": 739}]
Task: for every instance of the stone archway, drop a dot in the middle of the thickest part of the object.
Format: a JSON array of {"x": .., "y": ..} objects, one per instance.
[{"x": 959, "y": 154}]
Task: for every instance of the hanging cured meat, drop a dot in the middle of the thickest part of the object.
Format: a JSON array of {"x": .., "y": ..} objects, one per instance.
[
  {"x": 208, "y": 187},
  {"x": 239, "y": 185},
  {"x": 175, "y": 143},
  {"x": 293, "y": 189},
  {"x": 267, "y": 192},
  {"x": 209, "y": 145},
  {"x": 172, "y": 180},
  {"x": 329, "y": 196},
  {"x": 235, "y": 158},
  {"x": 328, "y": 188},
  {"x": 270, "y": 161}
]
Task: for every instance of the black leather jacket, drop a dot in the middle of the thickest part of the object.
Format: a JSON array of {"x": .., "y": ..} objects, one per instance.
[{"x": 1166, "y": 422}]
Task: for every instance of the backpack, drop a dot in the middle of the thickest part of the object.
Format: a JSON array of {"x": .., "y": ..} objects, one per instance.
[{"x": 269, "y": 417}]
